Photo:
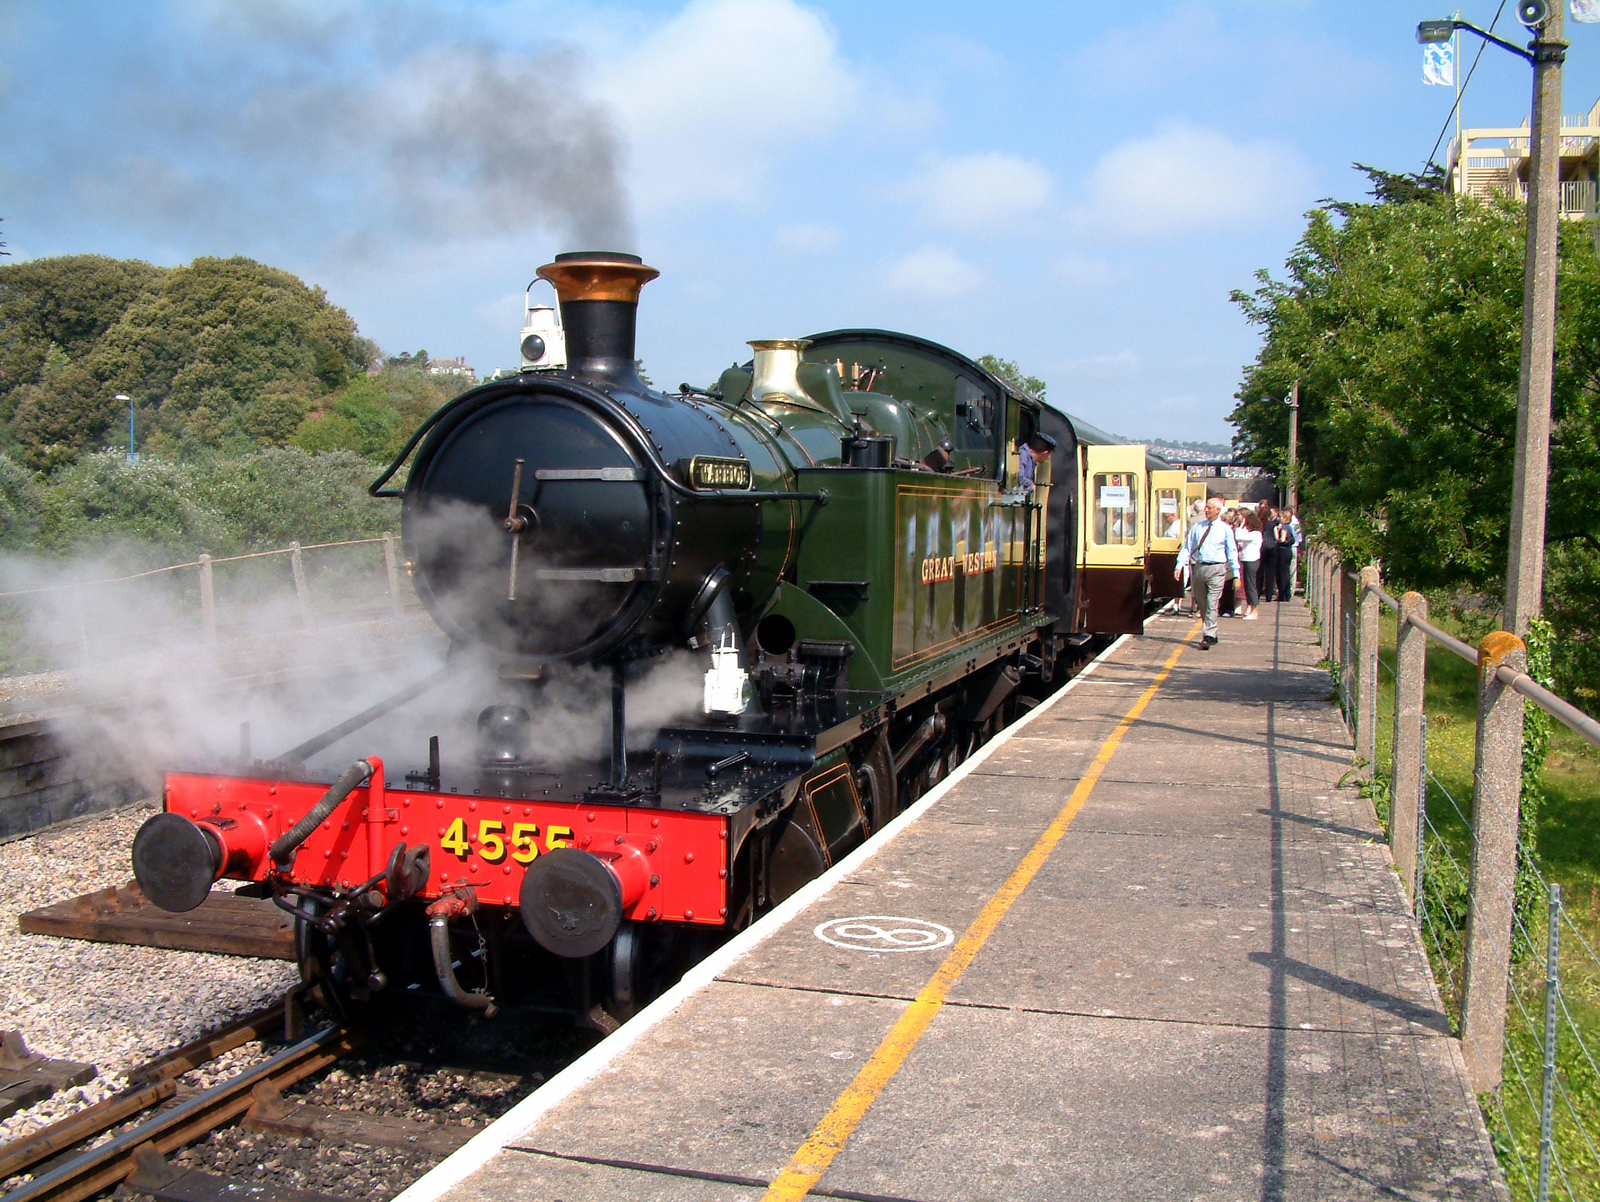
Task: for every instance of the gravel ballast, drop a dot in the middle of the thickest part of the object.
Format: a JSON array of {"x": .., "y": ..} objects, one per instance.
[{"x": 110, "y": 1005}]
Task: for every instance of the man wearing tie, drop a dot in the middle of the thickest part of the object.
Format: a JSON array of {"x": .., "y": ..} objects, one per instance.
[{"x": 1210, "y": 553}]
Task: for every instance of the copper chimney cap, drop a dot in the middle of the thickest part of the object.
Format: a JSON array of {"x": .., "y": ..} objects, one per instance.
[{"x": 598, "y": 275}]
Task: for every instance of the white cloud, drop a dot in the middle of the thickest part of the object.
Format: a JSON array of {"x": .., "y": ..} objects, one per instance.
[
  {"x": 807, "y": 237},
  {"x": 932, "y": 273},
  {"x": 721, "y": 93},
  {"x": 1190, "y": 180},
  {"x": 980, "y": 192},
  {"x": 1082, "y": 270}
]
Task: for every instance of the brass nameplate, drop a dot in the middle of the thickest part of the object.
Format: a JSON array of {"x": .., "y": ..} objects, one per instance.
[{"x": 706, "y": 471}]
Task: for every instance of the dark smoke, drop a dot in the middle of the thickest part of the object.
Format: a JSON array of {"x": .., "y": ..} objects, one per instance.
[{"x": 264, "y": 125}]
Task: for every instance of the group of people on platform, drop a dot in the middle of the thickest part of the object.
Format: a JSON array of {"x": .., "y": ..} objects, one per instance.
[{"x": 1251, "y": 552}]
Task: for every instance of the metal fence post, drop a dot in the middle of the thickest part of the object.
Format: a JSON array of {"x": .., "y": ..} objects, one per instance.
[
  {"x": 302, "y": 594},
  {"x": 1419, "y": 899},
  {"x": 393, "y": 571},
  {"x": 1496, "y": 793},
  {"x": 1552, "y": 1000},
  {"x": 1330, "y": 620},
  {"x": 1312, "y": 552},
  {"x": 208, "y": 601},
  {"x": 1347, "y": 626},
  {"x": 1406, "y": 779},
  {"x": 1367, "y": 671}
]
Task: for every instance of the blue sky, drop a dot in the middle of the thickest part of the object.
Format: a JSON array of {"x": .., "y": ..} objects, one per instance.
[{"x": 1074, "y": 186}]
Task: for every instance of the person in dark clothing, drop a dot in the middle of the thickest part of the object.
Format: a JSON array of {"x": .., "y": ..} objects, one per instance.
[
  {"x": 1269, "y": 552},
  {"x": 1285, "y": 560}
]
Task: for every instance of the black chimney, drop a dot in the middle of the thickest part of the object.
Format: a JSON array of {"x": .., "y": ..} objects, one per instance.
[{"x": 599, "y": 295}]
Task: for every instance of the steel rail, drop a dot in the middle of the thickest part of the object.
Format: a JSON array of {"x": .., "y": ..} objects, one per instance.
[
  {"x": 1465, "y": 651},
  {"x": 103, "y": 1167},
  {"x": 149, "y": 1085},
  {"x": 23, "y": 1154},
  {"x": 1564, "y": 712}
]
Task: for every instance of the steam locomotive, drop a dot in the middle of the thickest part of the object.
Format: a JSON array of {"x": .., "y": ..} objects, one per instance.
[{"x": 840, "y": 537}]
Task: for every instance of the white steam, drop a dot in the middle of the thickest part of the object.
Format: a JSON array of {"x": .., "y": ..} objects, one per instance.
[{"x": 130, "y": 682}]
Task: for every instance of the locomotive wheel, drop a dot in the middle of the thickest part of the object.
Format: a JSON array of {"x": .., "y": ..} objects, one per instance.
[
  {"x": 625, "y": 972},
  {"x": 876, "y": 784},
  {"x": 336, "y": 967},
  {"x": 795, "y": 859}
]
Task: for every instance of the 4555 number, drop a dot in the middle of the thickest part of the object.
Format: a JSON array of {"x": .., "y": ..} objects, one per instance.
[{"x": 494, "y": 841}]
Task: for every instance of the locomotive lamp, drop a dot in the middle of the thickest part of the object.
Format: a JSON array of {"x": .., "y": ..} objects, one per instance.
[{"x": 544, "y": 343}]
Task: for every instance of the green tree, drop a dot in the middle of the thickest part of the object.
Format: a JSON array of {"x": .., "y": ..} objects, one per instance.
[
  {"x": 1008, "y": 371},
  {"x": 197, "y": 347},
  {"x": 1401, "y": 320},
  {"x": 67, "y": 302}
]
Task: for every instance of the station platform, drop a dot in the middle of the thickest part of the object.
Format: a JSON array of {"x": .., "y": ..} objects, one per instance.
[{"x": 1142, "y": 946}]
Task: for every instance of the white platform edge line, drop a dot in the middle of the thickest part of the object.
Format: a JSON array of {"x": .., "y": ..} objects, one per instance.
[{"x": 522, "y": 1117}]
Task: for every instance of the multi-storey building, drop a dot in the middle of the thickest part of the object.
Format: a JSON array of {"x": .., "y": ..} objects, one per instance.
[{"x": 1495, "y": 159}]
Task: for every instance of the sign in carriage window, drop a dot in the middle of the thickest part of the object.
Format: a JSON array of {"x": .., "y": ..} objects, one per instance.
[{"x": 1116, "y": 509}]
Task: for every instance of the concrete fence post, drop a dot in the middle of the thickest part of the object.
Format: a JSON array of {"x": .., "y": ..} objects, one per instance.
[
  {"x": 1347, "y": 637},
  {"x": 393, "y": 570},
  {"x": 1367, "y": 668},
  {"x": 208, "y": 600},
  {"x": 1496, "y": 794},
  {"x": 1410, "y": 673},
  {"x": 1335, "y": 618},
  {"x": 302, "y": 594}
]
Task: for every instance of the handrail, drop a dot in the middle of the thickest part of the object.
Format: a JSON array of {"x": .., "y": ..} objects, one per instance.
[
  {"x": 1565, "y": 712},
  {"x": 1465, "y": 650},
  {"x": 1568, "y": 714}
]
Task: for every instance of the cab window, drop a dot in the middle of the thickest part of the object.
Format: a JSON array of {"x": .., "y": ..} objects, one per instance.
[
  {"x": 1169, "y": 513},
  {"x": 974, "y": 425},
  {"x": 1116, "y": 509}
]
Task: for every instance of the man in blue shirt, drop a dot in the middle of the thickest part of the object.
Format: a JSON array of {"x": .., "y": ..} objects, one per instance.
[
  {"x": 1030, "y": 451},
  {"x": 1210, "y": 553}
]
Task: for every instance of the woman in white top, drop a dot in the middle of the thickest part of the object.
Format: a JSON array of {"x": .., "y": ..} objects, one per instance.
[{"x": 1249, "y": 536}]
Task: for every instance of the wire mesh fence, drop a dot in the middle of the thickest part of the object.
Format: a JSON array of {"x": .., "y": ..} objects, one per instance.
[
  {"x": 1543, "y": 1111},
  {"x": 64, "y": 620}
]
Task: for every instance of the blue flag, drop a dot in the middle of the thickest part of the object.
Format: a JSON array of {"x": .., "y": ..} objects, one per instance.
[{"x": 1439, "y": 63}]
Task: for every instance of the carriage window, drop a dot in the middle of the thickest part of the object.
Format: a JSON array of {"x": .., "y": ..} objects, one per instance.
[
  {"x": 1169, "y": 513},
  {"x": 974, "y": 417},
  {"x": 1116, "y": 509}
]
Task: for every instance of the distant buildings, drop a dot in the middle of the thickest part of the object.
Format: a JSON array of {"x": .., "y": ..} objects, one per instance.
[
  {"x": 1495, "y": 159},
  {"x": 451, "y": 367}
]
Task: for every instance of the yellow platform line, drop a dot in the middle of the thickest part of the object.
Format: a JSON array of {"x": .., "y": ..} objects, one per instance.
[{"x": 827, "y": 1139}]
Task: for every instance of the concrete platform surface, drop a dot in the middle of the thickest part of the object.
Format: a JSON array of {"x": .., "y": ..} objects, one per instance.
[{"x": 1210, "y": 987}]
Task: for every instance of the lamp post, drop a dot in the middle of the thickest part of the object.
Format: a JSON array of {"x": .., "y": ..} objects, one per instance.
[
  {"x": 133, "y": 456},
  {"x": 1547, "y": 51},
  {"x": 1293, "y": 401}
]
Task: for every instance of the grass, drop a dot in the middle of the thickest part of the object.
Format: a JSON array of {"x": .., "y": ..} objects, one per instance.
[{"x": 1568, "y": 854}]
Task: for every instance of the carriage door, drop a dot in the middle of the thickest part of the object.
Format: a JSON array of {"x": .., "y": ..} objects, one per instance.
[
  {"x": 1113, "y": 509},
  {"x": 1167, "y": 528}
]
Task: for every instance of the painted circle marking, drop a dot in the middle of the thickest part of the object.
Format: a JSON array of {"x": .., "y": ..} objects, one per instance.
[{"x": 885, "y": 933}]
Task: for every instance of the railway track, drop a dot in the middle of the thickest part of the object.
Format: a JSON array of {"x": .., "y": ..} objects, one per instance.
[
  {"x": 251, "y": 1117},
  {"x": 132, "y": 1152}
]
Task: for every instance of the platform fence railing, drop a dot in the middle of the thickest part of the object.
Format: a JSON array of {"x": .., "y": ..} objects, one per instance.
[
  {"x": 70, "y": 621},
  {"x": 1516, "y": 967}
]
